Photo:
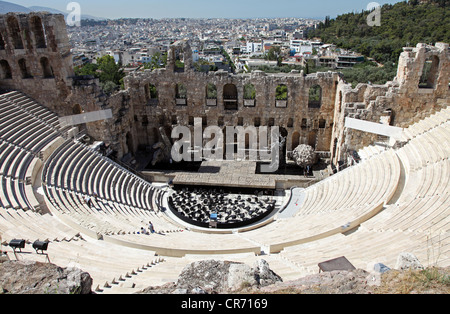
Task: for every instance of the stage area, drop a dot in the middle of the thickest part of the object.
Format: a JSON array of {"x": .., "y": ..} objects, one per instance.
[{"x": 226, "y": 174}]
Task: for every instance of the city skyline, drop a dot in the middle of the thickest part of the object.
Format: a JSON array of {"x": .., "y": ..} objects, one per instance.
[{"x": 204, "y": 9}]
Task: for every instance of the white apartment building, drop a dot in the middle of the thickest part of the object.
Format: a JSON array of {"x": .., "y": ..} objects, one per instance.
[{"x": 301, "y": 46}]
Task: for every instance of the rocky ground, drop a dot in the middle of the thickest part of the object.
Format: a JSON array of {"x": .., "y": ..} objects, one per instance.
[{"x": 223, "y": 277}]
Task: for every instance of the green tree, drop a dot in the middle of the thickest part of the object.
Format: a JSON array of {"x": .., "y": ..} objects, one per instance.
[
  {"x": 87, "y": 69},
  {"x": 402, "y": 24},
  {"x": 109, "y": 70},
  {"x": 274, "y": 54},
  {"x": 281, "y": 92},
  {"x": 158, "y": 61}
]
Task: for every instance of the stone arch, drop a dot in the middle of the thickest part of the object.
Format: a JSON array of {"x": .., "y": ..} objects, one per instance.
[
  {"x": 295, "y": 140},
  {"x": 315, "y": 97},
  {"x": 249, "y": 91},
  {"x": 47, "y": 70},
  {"x": 230, "y": 97},
  {"x": 129, "y": 143},
  {"x": 430, "y": 72},
  {"x": 38, "y": 30},
  {"x": 281, "y": 95},
  {"x": 211, "y": 91},
  {"x": 6, "y": 72},
  {"x": 180, "y": 95},
  {"x": 2, "y": 42},
  {"x": 24, "y": 68},
  {"x": 14, "y": 32},
  {"x": 312, "y": 139}
]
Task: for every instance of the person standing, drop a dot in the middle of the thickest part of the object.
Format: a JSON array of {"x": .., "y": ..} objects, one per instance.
[{"x": 150, "y": 227}]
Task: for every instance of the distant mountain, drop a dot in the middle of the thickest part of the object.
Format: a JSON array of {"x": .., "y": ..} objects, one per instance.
[
  {"x": 6, "y": 7},
  {"x": 55, "y": 11}
]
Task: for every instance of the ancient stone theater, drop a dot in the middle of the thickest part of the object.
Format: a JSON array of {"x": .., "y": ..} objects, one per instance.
[{"x": 379, "y": 185}]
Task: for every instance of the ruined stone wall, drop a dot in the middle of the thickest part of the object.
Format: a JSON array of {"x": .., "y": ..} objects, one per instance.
[
  {"x": 87, "y": 96},
  {"x": 303, "y": 125},
  {"x": 402, "y": 102},
  {"x": 35, "y": 57}
]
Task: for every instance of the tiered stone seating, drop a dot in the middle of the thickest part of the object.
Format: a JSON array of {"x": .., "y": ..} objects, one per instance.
[
  {"x": 25, "y": 129},
  {"x": 418, "y": 227},
  {"x": 417, "y": 222},
  {"x": 393, "y": 201},
  {"x": 122, "y": 202},
  {"x": 337, "y": 204},
  {"x": 427, "y": 124},
  {"x": 31, "y": 226},
  {"x": 108, "y": 264},
  {"x": 32, "y": 108}
]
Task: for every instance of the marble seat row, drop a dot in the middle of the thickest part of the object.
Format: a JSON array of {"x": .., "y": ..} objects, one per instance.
[
  {"x": 122, "y": 203},
  {"x": 75, "y": 167},
  {"x": 23, "y": 134},
  {"x": 420, "y": 227},
  {"x": 32, "y": 108},
  {"x": 426, "y": 124},
  {"x": 417, "y": 222},
  {"x": 336, "y": 204}
]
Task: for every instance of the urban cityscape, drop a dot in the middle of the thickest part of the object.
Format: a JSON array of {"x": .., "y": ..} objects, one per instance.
[{"x": 227, "y": 155}]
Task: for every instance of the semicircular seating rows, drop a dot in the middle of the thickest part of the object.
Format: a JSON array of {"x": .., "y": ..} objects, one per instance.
[
  {"x": 121, "y": 201},
  {"x": 26, "y": 129},
  {"x": 416, "y": 221},
  {"x": 394, "y": 200}
]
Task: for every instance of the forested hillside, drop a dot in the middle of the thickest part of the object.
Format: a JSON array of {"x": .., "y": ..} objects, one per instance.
[{"x": 403, "y": 24}]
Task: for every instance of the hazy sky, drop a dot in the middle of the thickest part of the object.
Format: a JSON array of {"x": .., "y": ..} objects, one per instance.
[{"x": 209, "y": 8}]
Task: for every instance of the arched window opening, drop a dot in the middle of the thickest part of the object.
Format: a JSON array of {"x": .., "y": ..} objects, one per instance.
[
  {"x": 295, "y": 140},
  {"x": 315, "y": 97},
  {"x": 430, "y": 73},
  {"x": 6, "y": 72},
  {"x": 249, "y": 95},
  {"x": 230, "y": 97},
  {"x": 14, "y": 32},
  {"x": 24, "y": 69},
  {"x": 38, "y": 30},
  {"x": 211, "y": 95},
  {"x": 179, "y": 61},
  {"x": 151, "y": 95},
  {"x": 46, "y": 68},
  {"x": 181, "y": 95},
  {"x": 281, "y": 96}
]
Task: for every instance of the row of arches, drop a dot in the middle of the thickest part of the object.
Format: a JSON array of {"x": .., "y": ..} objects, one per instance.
[
  {"x": 24, "y": 70},
  {"x": 293, "y": 138},
  {"x": 230, "y": 95},
  {"x": 19, "y": 39}
]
